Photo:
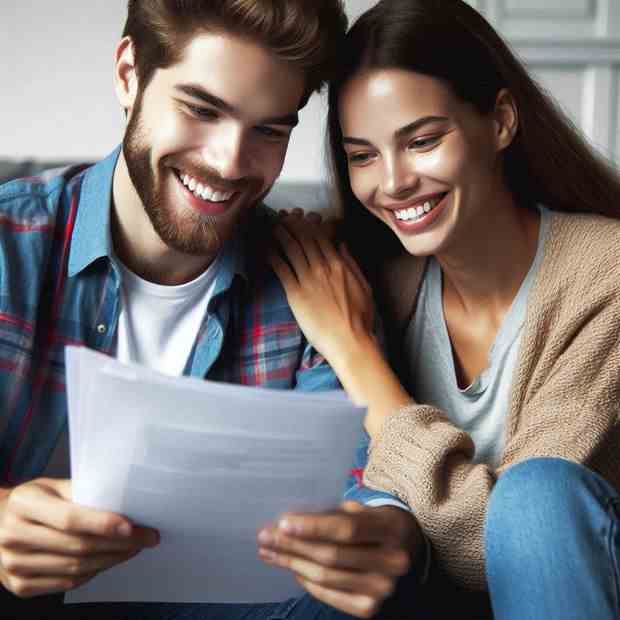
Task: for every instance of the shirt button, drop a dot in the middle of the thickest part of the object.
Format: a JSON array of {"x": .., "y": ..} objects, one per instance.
[{"x": 101, "y": 328}]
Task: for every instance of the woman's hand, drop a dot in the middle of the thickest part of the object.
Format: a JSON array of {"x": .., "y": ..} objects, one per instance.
[
  {"x": 326, "y": 289},
  {"x": 350, "y": 558},
  {"x": 332, "y": 302}
]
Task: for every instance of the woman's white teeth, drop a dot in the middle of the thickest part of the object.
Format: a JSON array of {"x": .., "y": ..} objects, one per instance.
[
  {"x": 414, "y": 213},
  {"x": 204, "y": 191}
]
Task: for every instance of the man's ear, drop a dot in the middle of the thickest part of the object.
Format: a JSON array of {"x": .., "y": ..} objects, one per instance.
[
  {"x": 125, "y": 74},
  {"x": 506, "y": 118}
]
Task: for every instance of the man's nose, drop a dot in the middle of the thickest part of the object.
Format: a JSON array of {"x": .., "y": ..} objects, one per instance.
[{"x": 224, "y": 153}]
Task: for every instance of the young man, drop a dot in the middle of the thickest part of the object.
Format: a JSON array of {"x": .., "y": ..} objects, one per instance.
[{"x": 157, "y": 255}]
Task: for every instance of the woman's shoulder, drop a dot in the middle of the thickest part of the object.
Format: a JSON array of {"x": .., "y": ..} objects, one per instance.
[
  {"x": 582, "y": 251},
  {"x": 594, "y": 234}
]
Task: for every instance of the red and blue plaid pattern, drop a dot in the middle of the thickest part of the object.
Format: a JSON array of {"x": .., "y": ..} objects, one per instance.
[{"x": 59, "y": 285}]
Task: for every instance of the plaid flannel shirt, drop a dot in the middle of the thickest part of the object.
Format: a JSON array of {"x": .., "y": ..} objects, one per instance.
[{"x": 60, "y": 284}]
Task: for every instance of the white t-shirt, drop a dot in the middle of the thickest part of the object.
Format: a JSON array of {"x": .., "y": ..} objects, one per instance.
[
  {"x": 157, "y": 327},
  {"x": 158, "y": 324}
]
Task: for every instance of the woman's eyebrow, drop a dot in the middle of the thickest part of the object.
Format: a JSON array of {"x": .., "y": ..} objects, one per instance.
[{"x": 399, "y": 132}]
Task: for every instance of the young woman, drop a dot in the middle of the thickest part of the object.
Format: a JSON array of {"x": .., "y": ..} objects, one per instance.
[{"x": 486, "y": 228}]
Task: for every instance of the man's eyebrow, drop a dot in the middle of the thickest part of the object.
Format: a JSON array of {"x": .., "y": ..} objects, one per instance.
[
  {"x": 399, "y": 133},
  {"x": 198, "y": 92}
]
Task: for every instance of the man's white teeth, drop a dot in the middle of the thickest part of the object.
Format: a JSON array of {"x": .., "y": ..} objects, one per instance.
[
  {"x": 204, "y": 191},
  {"x": 414, "y": 213}
]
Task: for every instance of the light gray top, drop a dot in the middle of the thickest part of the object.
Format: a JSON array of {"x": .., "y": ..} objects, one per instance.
[{"x": 480, "y": 409}]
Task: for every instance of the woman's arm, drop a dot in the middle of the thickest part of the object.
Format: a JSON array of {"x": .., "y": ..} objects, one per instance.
[{"x": 333, "y": 305}]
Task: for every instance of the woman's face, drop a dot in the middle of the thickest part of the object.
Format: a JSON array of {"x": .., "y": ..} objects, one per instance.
[{"x": 420, "y": 159}]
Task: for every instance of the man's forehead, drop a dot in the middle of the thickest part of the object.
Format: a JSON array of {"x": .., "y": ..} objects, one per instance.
[{"x": 240, "y": 72}]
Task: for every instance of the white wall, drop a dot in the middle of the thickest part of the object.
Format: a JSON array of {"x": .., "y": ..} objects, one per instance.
[{"x": 56, "y": 90}]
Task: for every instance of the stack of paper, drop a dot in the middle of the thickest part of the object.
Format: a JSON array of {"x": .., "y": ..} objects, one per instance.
[{"x": 205, "y": 463}]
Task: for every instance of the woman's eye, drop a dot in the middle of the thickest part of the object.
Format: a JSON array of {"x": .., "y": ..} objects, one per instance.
[
  {"x": 359, "y": 158},
  {"x": 420, "y": 143}
]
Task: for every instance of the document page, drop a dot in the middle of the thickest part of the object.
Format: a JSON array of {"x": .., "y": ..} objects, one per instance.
[{"x": 207, "y": 464}]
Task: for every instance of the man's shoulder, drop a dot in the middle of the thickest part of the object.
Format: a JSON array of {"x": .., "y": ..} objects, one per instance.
[{"x": 33, "y": 202}]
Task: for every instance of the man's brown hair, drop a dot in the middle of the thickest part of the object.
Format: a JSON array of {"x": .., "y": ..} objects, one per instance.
[{"x": 306, "y": 33}]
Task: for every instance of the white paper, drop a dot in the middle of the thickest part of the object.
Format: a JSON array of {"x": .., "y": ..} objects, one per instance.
[{"x": 207, "y": 464}]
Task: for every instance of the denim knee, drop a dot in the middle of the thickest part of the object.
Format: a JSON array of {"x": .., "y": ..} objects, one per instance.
[
  {"x": 552, "y": 542},
  {"x": 530, "y": 493},
  {"x": 540, "y": 495}
]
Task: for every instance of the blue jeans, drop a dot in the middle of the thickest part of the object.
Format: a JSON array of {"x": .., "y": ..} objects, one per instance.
[{"x": 553, "y": 543}]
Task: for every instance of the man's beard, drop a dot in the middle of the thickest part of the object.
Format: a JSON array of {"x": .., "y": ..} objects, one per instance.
[{"x": 186, "y": 231}]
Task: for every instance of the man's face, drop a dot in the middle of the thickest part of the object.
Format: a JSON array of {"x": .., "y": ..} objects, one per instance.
[{"x": 206, "y": 139}]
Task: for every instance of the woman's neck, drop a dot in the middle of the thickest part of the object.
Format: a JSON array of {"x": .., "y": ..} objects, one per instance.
[{"x": 485, "y": 271}]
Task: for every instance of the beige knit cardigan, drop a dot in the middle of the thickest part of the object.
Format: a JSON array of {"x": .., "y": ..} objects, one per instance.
[{"x": 565, "y": 399}]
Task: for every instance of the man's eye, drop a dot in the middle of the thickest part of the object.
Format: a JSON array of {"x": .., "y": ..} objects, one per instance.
[
  {"x": 269, "y": 132},
  {"x": 202, "y": 113}
]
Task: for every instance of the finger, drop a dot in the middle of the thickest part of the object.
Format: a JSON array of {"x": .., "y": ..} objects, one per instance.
[
  {"x": 28, "y": 536},
  {"x": 360, "y": 605},
  {"x": 329, "y": 227},
  {"x": 327, "y": 247},
  {"x": 46, "y": 565},
  {"x": 292, "y": 250},
  {"x": 365, "y": 527},
  {"x": 27, "y": 587},
  {"x": 48, "y": 505},
  {"x": 365, "y": 558},
  {"x": 375, "y": 584},
  {"x": 317, "y": 246},
  {"x": 314, "y": 218},
  {"x": 355, "y": 268},
  {"x": 285, "y": 274},
  {"x": 297, "y": 212}
]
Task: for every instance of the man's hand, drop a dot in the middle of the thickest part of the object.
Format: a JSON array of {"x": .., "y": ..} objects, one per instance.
[
  {"x": 49, "y": 544},
  {"x": 350, "y": 559}
]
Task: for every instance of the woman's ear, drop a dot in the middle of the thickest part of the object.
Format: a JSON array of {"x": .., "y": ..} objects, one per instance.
[
  {"x": 506, "y": 118},
  {"x": 125, "y": 74}
]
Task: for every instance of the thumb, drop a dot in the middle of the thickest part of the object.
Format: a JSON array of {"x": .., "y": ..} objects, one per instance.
[{"x": 60, "y": 487}]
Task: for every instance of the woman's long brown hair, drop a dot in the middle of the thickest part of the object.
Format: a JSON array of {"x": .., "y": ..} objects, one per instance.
[{"x": 548, "y": 162}]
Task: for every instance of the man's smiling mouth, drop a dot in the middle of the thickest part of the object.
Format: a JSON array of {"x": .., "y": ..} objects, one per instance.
[{"x": 202, "y": 190}]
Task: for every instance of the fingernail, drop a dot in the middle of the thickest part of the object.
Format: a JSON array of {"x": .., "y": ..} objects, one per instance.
[
  {"x": 124, "y": 529},
  {"x": 267, "y": 554},
  {"x": 288, "y": 526},
  {"x": 265, "y": 537}
]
